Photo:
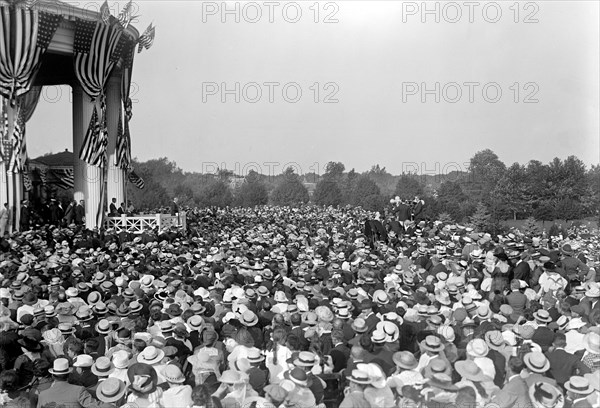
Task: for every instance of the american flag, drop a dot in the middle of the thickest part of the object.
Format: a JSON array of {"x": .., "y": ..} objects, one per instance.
[
  {"x": 147, "y": 38},
  {"x": 27, "y": 184},
  {"x": 94, "y": 47},
  {"x": 125, "y": 15},
  {"x": 135, "y": 179},
  {"x": 19, "y": 147},
  {"x": 63, "y": 178},
  {"x": 43, "y": 173},
  {"x": 105, "y": 12},
  {"x": 24, "y": 37},
  {"x": 4, "y": 128},
  {"x": 93, "y": 149},
  {"x": 123, "y": 156}
]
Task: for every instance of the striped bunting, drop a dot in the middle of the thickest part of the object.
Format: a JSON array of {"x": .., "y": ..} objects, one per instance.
[
  {"x": 19, "y": 147},
  {"x": 24, "y": 36},
  {"x": 95, "y": 47},
  {"x": 27, "y": 184},
  {"x": 135, "y": 179},
  {"x": 63, "y": 178},
  {"x": 123, "y": 153}
]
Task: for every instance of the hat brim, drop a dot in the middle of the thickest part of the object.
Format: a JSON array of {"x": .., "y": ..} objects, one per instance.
[
  {"x": 157, "y": 359},
  {"x": 587, "y": 391},
  {"x": 112, "y": 398},
  {"x": 69, "y": 370},
  {"x": 102, "y": 373}
]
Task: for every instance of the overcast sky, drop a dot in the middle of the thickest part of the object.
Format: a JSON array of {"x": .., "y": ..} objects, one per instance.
[{"x": 375, "y": 66}]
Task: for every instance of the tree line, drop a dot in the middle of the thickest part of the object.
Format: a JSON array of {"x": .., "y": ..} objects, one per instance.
[{"x": 560, "y": 189}]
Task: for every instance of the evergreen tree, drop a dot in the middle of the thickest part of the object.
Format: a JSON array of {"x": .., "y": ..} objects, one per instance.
[{"x": 481, "y": 219}]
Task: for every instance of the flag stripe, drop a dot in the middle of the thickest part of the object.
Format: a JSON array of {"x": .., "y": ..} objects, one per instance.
[{"x": 24, "y": 36}]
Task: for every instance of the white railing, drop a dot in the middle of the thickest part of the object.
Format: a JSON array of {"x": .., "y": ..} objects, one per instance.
[{"x": 141, "y": 223}]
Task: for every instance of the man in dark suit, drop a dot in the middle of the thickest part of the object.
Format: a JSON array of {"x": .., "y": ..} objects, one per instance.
[
  {"x": 517, "y": 300},
  {"x": 25, "y": 214},
  {"x": 522, "y": 271},
  {"x": 112, "y": 209},
  {"x": 80, "y": 213},
  {"x": 403, "y": 213},
  {"x": 563, "y": 364},
  {"x": 339, "y": 353},
  {"x": 591, "y": 301},
  {"x": 418, "y": 208},
  {"x": 174, "y": 206},
  {"x": 515, "y": 393},
  {"x": 61, "y": 393}
]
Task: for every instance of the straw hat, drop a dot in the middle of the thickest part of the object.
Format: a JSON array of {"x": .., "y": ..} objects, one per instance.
[
  {"x": 432, "y": 343},
  {"x": 470, "y": 371},
  {"x": 60, "y": 367},
  {"x": 359, "y": 377},
  {"x": 173, "y": 374},
  {"x": 477, "y": 348},
  {"x": 405, "y": 359},
  {"x": 103, "y": 367},
  {"x": 591, "y": 342},
  {"x": 536, "y": 362},
  {"x": 150, "y": 355},
  {"x": 305, "y": 359},
  {"x": 579, "y": 385},
  {"x": 111, "y": 390}
]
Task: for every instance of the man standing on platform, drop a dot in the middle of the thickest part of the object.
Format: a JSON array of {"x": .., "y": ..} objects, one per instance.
[
  {"x": 174, "y": 206},
  {"x": 24, "y": 215},
  {"x": 112, "y": 209},
  {"x": 4, "y": 216},
  {"x": 80, "y": 213}
]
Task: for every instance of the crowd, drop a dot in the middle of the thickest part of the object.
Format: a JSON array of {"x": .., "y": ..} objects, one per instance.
[{"x": 299, "y": 308}]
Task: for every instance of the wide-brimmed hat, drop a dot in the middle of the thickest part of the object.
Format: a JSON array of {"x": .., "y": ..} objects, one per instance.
[
  {"x": 111, "y": 390},
  {"x": 405, "y": 359},
  {"x": 359, "y": 325},
  {"x": 103, "y": 367},
  {"x": 547, "y": 394},
  {"x": 494, "y": 339},
  {"x": 442, "y": 381},
  {"x": 470, "y": 371},
  {"x": 432, "y": 343},
  {"x": 195, "y": 322},
  {"x": 579, "y": 385},
  {"x": 66, "y": 328},
  {"x": 477, "y": 348},
  {"x": 150, "y": 355},
  {"x": 542, "y": 315},
  {"x": 255, "y": 356},
  {"x": 249, "y": 318},
  {"x": 297, "y": 376},
  {"x": 60, "y": 367},
  {"x": 173, "y": 374},
  {"x": 591, "y": 342},
  {"x": 593, "y": 291},
  {"x": 305, "y": 359},
  {"x": 232, "y": 377},
  {"x": 536, "y": 362},
  {"x": 566, "y": 249},
  {"x": 104, "y": 326},
  {"x": 359, "y": 377},
  {"x": 174, "y": 310},
  {"x": 30, "y": 299}
]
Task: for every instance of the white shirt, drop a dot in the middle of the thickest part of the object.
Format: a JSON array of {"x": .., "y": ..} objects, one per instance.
[
  {"x": 574, "y": 341},
  {"x": 178, "y": 396}
]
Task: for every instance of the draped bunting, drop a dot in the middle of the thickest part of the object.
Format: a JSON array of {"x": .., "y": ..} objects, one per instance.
[
  {"x": 96, "y": 53},
  {"x": 26, "y": 105},
  {"x": 4, "y": 130},
  {"x": 24, "y": 37}
]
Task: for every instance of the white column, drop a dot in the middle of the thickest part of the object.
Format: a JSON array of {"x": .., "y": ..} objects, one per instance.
[
  {"x": 87, "y": 177},
  {"x": 3, "y": 183},
  {"x": 115, "y": 180}
]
